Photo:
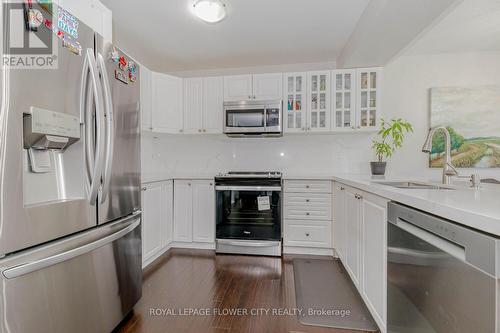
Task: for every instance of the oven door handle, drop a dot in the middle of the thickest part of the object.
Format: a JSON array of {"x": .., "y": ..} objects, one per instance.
[{"x": 248, "y": 188}]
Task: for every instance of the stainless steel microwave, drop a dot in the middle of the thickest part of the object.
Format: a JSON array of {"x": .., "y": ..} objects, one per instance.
[{"x": 253, "y": 118}]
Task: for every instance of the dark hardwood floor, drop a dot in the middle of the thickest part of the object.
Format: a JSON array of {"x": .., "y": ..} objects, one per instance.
[{"x": 195, "y": 279}]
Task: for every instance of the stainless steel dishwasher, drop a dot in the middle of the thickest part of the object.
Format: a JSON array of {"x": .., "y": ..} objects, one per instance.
[{"x": 442, "y": 277}]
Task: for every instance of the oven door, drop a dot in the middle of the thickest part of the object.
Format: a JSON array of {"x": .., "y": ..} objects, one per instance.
[{"x": 249, "y": 213}]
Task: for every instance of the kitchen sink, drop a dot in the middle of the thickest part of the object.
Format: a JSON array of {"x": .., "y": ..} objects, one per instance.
[{"x": 415, "y": 185}]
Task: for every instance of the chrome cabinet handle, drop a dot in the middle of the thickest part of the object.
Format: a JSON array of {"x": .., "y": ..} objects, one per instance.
[
  {"x": 181, "y": 130},
  {"x": 307, "y": 186},
  {"x": 204, "y": 130},
  {"x": 307, "y": 200},
  {"x": 307, "y": 214},
  {"x": 144, "y": 189},
  {"x": 249, "y": 97},
  {"x": 307, "y": 234},
  {"x": 110, "y": 128},
  {"x": 342, "y": 188}
]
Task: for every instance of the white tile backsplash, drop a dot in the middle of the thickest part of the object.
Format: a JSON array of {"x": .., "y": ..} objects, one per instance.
[{"x": 292, "y": 153}]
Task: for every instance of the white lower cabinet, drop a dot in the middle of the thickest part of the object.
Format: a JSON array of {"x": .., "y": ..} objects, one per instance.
[
  {"x": 194, "y": 211},
  {"x": 360, "y": 238},
  {"x": 374, "y": 254},
  {"x": 157, "y": 209},
  {"x": 307, "y": 210}
]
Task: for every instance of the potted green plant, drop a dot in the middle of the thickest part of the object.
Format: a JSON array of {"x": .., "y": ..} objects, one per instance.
[{"x": 390, "y": 138}]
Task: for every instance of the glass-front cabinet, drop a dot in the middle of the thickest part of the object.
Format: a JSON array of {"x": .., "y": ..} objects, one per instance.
[
  {"x": 295, "y": 102},
  {"x": 368, "y": 97},
  {"x": 319, "y": 101},
  {"x": 343, "y": 99}
]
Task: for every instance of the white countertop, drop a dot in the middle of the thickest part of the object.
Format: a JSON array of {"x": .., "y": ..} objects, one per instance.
[
  {"x": 158, "y": 177},
  {"x": 475, "y": 208},
  {"x": 478, "y": 209}
]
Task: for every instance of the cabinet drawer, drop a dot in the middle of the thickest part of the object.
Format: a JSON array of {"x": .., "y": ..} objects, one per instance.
[
  {"x": 307, "y": 235},
  {"x": 308, "y": 199},
  {"x": 308, "y": 206},
  {"x": 308, "y": 186}
]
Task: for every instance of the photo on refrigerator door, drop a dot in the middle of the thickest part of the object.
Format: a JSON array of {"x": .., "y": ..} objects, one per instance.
[{"x": 472, "y": 116}]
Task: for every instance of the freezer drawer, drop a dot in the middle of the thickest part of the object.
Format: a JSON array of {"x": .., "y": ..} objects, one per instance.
[{"x": 86, "y": 283}]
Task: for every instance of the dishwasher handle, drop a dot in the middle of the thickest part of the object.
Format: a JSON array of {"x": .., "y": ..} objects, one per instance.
[{"x": 445, "y": 245}]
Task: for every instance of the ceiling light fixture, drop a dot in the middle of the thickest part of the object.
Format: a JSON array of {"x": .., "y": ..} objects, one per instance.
[{"x": 211, "y": 11}]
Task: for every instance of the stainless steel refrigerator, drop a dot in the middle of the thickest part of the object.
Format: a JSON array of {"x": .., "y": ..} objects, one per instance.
[{"x": 70, "y": 212}]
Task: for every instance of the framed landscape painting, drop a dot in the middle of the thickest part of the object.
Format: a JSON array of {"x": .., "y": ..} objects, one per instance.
[{"x": 472, "y": 115}]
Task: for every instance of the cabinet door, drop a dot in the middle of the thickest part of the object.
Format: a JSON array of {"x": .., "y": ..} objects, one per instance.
[
  {"x": 146, "y": 99},
  {"x": 353, "y": 233},
  {"x": 183, "y": 211},
  {"x": 339, "y": 219},
  {"x": 368, "y": 97},
  {"x": 193, "y": 105},
  {"x": 343, "y": 99},
  {"x": 213, "y": 104},
  {"x": 268, "y": 86},
  {"x": 168, "y": 189},
  {"x": 167, "y": 104},
  {"x": 295, "y": 102},
  {"x": 203, "y": 211},
  {"x": 374, "y": 262},
  {"x": 319, "y": 101},
  {"x": 238, "y": 88},
  {"x": 152, "y": 220}
]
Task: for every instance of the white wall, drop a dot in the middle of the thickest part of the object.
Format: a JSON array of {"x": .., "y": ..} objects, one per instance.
[{"x": 407, "y": 81}]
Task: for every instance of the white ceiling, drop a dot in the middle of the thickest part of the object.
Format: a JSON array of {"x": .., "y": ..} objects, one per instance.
[
  {"x": 473, "y": 25},
  {"x": 165, "y": 36}
]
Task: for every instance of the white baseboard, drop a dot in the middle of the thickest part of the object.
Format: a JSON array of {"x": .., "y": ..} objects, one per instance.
[
  {"x": 155, "y": 256},
  {"x": 193, "y": 245},
  {"x": 307, "y": 251}
]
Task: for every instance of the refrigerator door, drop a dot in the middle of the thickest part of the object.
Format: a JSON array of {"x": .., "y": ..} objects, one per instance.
[
  {"x": 121, "y": 180},
  {"x": 86, "y": 283},
  {"x": 57, "y": 200}
]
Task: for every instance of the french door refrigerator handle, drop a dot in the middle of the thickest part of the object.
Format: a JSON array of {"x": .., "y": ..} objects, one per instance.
[
  {"x": 110, "y": 127},
  {"x": 93, "y": 158},
  {"x": 20, "y": 270}
]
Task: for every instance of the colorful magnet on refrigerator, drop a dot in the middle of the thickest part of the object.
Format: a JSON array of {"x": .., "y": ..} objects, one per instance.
[
  {"x": 67, "y": 23},
  {"x": 72, "y": 45},
  {"x": 132, "y": 77},
  {"x": 132, "y": 67},
  {"x": 123, "y": 64},
  {"x": 115, "y": 56},
  {"x": 121, "y": 76}
]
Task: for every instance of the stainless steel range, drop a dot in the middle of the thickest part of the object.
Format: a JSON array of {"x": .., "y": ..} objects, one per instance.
[{"x": 248, "y": 213}]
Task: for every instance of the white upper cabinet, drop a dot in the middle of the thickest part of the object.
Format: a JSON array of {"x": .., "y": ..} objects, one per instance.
[
  {"x": 267, "y": 86},
  {"x": 193, "y": 105},
  {"x": 238, "y": 88},
  {"x": 343, "y": 99},
  {"x": 213, "y": 104},
  {"x": 93, "y": 13},
  {"x": 368, "y": 97},
  {"x": 167, "y": 115},
  {"x": 319, "y": 112},
  {"x": 253, "y": 87},
  {"x": 203, "y": 105},
  {"x": 295, "y": 102},
  {"x": 146, "y": 98}
]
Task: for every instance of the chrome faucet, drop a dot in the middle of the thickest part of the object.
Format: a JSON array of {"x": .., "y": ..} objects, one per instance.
[{"x": 448, "y": 168}]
